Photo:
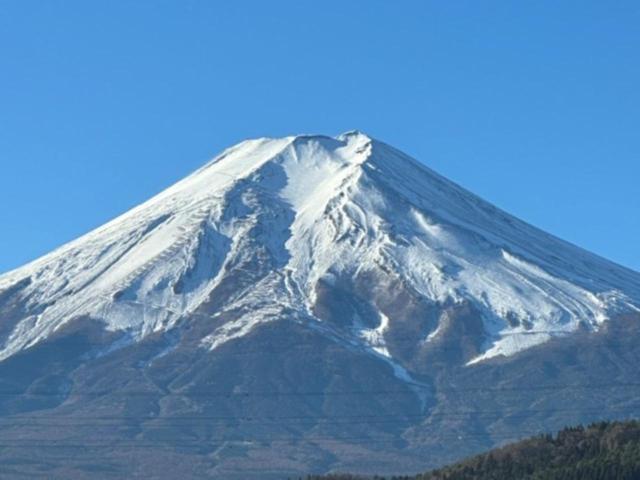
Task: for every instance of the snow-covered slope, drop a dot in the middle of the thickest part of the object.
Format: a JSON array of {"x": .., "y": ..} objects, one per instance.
[{"x": 299, "y": 212}]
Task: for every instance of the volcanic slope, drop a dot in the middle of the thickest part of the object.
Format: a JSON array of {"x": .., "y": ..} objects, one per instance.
[{"x": 333, "y": 280}]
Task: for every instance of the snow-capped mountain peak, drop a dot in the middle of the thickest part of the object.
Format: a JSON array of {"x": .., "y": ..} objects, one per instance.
[{"x": 265, "y": 230}]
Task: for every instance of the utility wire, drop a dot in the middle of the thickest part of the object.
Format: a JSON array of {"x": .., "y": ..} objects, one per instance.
[{"x": 411, "y": 390}]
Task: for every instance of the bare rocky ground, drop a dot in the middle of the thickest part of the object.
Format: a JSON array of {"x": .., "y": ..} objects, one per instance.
[{"x": 285, "y": 401}]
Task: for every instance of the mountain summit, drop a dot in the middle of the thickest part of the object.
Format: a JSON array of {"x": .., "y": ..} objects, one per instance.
[
  {"x": 316, "y": 249},
  {"x": 266, "y": 228}
]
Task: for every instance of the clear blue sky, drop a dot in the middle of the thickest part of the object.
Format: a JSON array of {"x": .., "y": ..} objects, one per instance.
[{"x": 533, "y": 105}]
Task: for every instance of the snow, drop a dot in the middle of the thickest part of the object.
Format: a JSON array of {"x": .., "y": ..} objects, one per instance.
[
  {"x": 375, "y": 336},
  {"x": 315, "y": 208}
]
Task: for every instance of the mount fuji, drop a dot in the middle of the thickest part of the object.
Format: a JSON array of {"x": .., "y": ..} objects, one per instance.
[{"x": 307, "y": 304}]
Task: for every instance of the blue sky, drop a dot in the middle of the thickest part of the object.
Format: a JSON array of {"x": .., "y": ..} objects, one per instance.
[{"x": 533, "y": 105}]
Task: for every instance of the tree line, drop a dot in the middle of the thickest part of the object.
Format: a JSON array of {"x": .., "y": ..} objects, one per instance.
[{"x": 600, "y": 451}]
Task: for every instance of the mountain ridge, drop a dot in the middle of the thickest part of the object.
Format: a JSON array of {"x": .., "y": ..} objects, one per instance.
[
  {"x": 302, "y": 179},
  {"x": 307, "y": 304}
]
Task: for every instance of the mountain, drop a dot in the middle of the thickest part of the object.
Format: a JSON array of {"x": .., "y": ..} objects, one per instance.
[
  {"x": 602, "y": 451},
  {"x": 307, "y": 304}
]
